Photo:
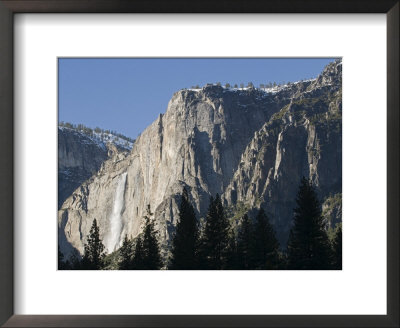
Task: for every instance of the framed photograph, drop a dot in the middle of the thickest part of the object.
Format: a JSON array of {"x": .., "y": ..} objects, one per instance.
[{"x": 197, "y": 164}]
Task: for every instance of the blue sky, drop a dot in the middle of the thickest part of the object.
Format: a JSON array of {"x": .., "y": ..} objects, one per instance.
[{"x": 127, "y": 94}]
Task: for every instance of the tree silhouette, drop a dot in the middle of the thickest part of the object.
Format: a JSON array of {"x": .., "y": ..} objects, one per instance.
[
  {"x": 232, "y": 261},
  {"x": 93, "y": 249},
  {"x": 266, "y": 246},
  {"x": 308, "y": 245},
  {"x": 126, "y": 255},
  {"x": 152, "y": 258},
  {"x": 213, "y": 252},
  {"x": 151, "y": 249},
  {"x": 185, "y": 242},
  {"x": 75, "y": 260},
  {"x": 337, "y": 249},
  {"x": 245, "y": 244},
  {"x": 138, "y": 262},
  {"x": 62, "y": 263}
]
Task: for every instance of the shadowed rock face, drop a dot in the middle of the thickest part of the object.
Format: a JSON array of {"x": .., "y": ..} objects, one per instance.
[
  {"x": 250, "y": 146},
  {"x": 78, "y": 159}
]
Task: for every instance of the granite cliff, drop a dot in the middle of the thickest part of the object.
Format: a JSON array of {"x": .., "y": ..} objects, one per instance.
[{"x": 80, "y": 154}]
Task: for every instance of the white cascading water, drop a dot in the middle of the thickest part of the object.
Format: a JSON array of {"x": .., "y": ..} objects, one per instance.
[{"x": 114, "y": 235}]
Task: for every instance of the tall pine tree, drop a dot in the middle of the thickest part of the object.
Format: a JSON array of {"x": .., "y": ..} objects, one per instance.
[
  {"x": 308, "y": 245},
  {"x": 146, "y": 255},
  {"x": 215, "y": 240},
  {"x": 337, "y": 249},
  {"x": 232, "y": 261},
  {"x": 151, "y": 248},
  {"x": 266, "y": 246},
  {"x": 62, "y": 263},
  {"x": 245, "y": 248},
  {"x": 185, "y": 242},
  {"x": 138, "y": 262},
  {"x": 126, "y": 255},
  {"x": 94, "y": 249},
  {"x": 75, "y": 260}
]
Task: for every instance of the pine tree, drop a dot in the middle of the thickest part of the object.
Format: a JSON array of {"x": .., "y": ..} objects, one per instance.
[
  {"x": 266, "y": 246},
  {"x": 147, "y": 251},
  {"x": 216, "y": 236},
  {"x": 62, "y": 263},
  {"x": 308, "y": 245},
  {"x": 94, "y": 249},
  {"x": 245, "y": 244},
  {"x": 337, "y": 249},
  {"x": 151, "y": 249},
  {"x": 185, "y": 242},
  {"x": 126, "y": 255},
  {"x": 138, "y": 262},
  {"x": 75, "y": 260},
  {"x": 232, "y": 261}
]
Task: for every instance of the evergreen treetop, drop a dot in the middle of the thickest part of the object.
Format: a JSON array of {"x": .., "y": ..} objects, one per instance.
[
  {"x": 185, "y": 241},
  {"x": 337, "y": 249},
  {"x": 308, "y": 245},
  {"x": 126, "y": 254},
  {"x": 94, "y": 250},
  {"x": 216, "y": 236},
  {"x": 151, "y": 249},
  {"x": 245, "y": 244},
  {"x": 138, "y": 262},
  {"x": 266, "y": 246}
]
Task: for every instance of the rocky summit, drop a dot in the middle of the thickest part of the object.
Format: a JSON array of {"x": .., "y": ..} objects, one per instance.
[{"x": 250, "y": 145}]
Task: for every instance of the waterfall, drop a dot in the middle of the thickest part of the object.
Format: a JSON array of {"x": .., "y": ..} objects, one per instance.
[{"x": 113, "y": 238}]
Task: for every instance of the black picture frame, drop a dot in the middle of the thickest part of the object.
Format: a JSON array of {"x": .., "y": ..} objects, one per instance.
[{"x": 10, "y": 7}]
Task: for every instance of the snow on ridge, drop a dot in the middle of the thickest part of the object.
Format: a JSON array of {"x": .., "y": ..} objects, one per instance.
[
  {"x": 101, "y": 139},
  {"x": 270, "y": 90},
  {"x": 109, "y": 137}
]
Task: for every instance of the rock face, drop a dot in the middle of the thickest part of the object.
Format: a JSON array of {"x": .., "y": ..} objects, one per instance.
[
  {"x": 302, "y": 139},
  {"x": 251, "y": 146},
  {"x": 332, "y": 210},
  {"x": 80, "y": 156},
  {"x": 78, "y": 159}
]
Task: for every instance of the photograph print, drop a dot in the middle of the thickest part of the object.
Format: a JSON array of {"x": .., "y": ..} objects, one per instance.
[{"x": 199, "y": 164}]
